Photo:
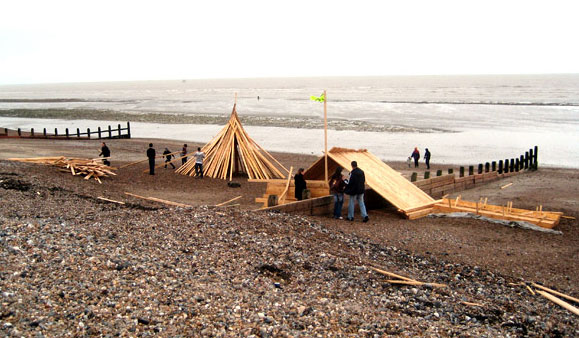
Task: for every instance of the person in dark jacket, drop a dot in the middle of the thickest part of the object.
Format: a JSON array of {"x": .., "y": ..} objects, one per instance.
[
  {"x": 416, "y": 156},
  {"x": 337, "y": 186},
  {"x": 151, "y": 155},
  {"x": 168, "y": 157},
  {"x": 184, "y": 154},
  {"x": 355, "y": 189},
  {"x": 105, "y": 152},
  {"x": 427, "y": 158},
  {"x": 300, "y": 184}
]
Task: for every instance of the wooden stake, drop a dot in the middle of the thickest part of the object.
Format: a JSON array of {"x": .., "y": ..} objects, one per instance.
[
  {"x": 559, "y": 302},
  {"x": 109, "y": 200},
  {"x": 506, "y": 185},
  {"x": 228, "y": 201}
]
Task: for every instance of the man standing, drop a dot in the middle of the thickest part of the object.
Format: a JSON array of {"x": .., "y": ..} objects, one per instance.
[
  {"x": 106, "y": 153},
  {"x": 355, "y": 189},
  {"x": 151, "y": 155},
  {"x": 300, "y": 184},
  {"x": 427, "y": 158},
  {"x": 199, "y": 156},
  {"x": 416, "y": 156},
  {"x": 184, "y": 154}
]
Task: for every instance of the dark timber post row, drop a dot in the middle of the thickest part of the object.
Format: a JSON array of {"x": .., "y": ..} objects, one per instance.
[
  {"x": 31, "y": 132},
  {"x": 44, "y": 132},
  {"x": 55, "y": 132},
  {"x": 413, "y": 177},
  {"x": 500, "y": 166},
  {"x": 119, "y": 130},
  {"x": 110, "y": 132},
  {"x": 517, "y": 164},
  {"x": 461, "y": 172},
  {"x": 426, "y": 175},
  {"x": 19, "y": 132},
  {"x": 66, "y": 131},
  {"x": 439, "y": 172},
  {"x": 536, "y": 162},
  {"x": 470, "y": 170},
  {"x": 526, "y": 160},
  {"x": 521, "y": 162},
  {"x": 77, "y": 132},
  {"x": 450, "y": 171},
  {"x": 494, "y": 166},
  {"x": 506, "y": 165},
  {"x": 531, "y": 158},
  {"x": 128, "y": 130},
  {"x": 99, "y": 132},
  {"x": 512, "y": 166},
  {"x": 487, "y": 167},
  {"x": 88, "y": 132},
  {"x": 480, "y": 168}
]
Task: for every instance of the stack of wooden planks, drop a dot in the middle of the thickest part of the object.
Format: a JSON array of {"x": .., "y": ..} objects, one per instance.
[
  {"x": 545, "y": 219},
  {"x": 234, "y": 151},
  {"x": 89, "y": 168},
  {"x": 281, "y": 188}
]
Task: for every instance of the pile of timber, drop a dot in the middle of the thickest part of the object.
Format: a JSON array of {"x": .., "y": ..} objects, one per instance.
[
  {"x": 545, "y": 219},
  {"x": 89, "y": 168},
  {"x": 234, "y": 151},
  {"x": 284, "y": 190}
]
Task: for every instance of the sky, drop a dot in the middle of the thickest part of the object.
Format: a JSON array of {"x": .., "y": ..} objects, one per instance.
[{"x": 85, "y": 41}]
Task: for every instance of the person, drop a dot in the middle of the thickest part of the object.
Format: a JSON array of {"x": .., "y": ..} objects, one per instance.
[
  {"x": 337, "y": 186},
  {"x": 416, "y": 156},
  {"x": 105, "y": 152},
  {"x": 355, "y": 190},
  {"x": 300, "y": 184},
  {"x": 151, "y": 155},
  {"x": 184, "y": 154},
  {"x": 168, "y": 156},
  {"x": 427, "y": 158},
  {"x": 199, "y": 156}
]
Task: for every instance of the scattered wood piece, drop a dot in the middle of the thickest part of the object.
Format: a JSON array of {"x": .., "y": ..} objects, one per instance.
[
  {"x": 229, "y": 205},
  {"x": 559, "y": 302},
  {"x": 110, "y": 200},
  {"x": 530, "y": 290},
  {"x": 154, "y": 199},
  {"x": 384, "y": 272},
  {"x": 473, "y": 304},
  {"x": 76, "y": 166},
  {"x": 417, "y": 283},
  {"x": 555, "y": 292},
  {"x": 506, "y": 185},
  {"x": 568, "y": 217},
  {"x": 229, "y": 201}
]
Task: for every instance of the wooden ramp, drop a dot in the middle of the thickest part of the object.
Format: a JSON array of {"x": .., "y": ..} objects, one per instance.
[{"x": 387, "y": 182}]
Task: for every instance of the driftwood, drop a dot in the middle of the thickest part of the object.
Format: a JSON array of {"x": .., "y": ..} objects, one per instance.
[
  {"x": 154, "y": 199},
  {"x": 405, "y": 280},
  {"x": 559, "y": 302},
  {"x": 555, "y": 292}
]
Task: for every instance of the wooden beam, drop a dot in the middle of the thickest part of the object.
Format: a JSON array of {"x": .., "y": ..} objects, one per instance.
[
  {"x": 160, "y": 200},
  {"x": 555, "y": 292},
  {"x": 559, "y": 302},
  {"x": 109, "y": 200},
  {"x": 228, "y": 201}
]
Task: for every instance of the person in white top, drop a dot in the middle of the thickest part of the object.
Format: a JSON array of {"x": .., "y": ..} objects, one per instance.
[{"x": 199, "y": 156}]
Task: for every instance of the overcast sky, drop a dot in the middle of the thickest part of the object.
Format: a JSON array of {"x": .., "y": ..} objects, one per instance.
[{"x": 70, "y": 41}]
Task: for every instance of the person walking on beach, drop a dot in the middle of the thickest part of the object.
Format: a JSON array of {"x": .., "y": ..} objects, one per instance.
[
  {"x": 184, "y": 153},
  {"x": 300, "y": 184},
  {"x": 427, "y": 158},
  {"x": 151, "y": 155},
  {"x": 416, "y": 156},
  {"x": 106, "y": 153},
  {"x": 355, "y": 190},
  {"x": 199, "y": 157},
  {"x": 337, "y": 186},
  {"x": 168, "y": 156}
]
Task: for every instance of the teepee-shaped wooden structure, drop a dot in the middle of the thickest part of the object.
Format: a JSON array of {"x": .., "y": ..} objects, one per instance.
[{"x": 233, "y": 151}]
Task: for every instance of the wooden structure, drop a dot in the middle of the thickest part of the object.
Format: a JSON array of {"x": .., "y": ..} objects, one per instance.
[
  {"x": 388, "y": 183},
  {"x": 233, "y": 151},
  {"x": 89, "y": 168},
  {"x": 107, "y": 133},
  {"x": 545, "y": 219},
  {"x": 285, "y": 190}
]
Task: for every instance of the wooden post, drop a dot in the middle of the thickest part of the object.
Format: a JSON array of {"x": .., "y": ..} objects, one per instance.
[
  {"x": 414, "y": 177},
  {"x": 66, "y": 132},
  {"x": 110, "y": 132},
  {"x": 44, "y": 132},
  {"x": 426, "y": 175},
  {"x": 487, "y": 167},
  {"x": 19, "y": 132},
  {"x": 470, "y": 170},
  {"x": 521, "y": 162},
  {"x": 55, "y": 132},
  {"x": 128, "y": 130},
  {"x": 461, "y": 172},
  {"x": 88, "y": 132},
  {"x": 480, "y": 168},
  {"x": 536, "y": 161},
  {"x": 526, "y": 160},
  {"x": 494, "y": 166},
  {"x": 517, "y": 164},
  {"x": 439, "y": 172},
  {"x": 6, "y": 131},
  {"x": 500, "y": 167},
  {"x": 531, "y": 158},
  {"x": 99, "y": 133},
  {"x": 119, "y": 129},
  {"x": 78, "y": 132},
  {"x": 512, "y": 165},
  {"x": 450, "y": 171},
  {"x": 325, "y": 136},
  {"x": 506, "y": 165},
  {"x": 31, "y": 132}
]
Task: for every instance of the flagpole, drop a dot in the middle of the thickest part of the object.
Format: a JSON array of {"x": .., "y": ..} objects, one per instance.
[{"x": 326, "y": 135}]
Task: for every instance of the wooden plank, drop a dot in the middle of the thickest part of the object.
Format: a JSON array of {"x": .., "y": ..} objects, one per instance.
[
  {"x": 229, "y": 201},
  {"x": 555, "y": 292},
  {"x": 405, "y": 282},
  {"x": 284, "y": 194},
  {"x": 160, "y": 200},
  {"x": 109, "y": 200},
  {"x": 559, "y": 302},
  {"x": 419, "y": 213},
  {"x": 387, "y": 273}
]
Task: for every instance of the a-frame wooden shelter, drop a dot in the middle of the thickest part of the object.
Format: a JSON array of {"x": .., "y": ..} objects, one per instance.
[{"x": 233, "y": 151}]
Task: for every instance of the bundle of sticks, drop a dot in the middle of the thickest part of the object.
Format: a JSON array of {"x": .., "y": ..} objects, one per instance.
[{"x": 89, "y": 168}]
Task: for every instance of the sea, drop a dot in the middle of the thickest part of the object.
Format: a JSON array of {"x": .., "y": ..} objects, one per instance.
[{"x": 462, "y": 120}]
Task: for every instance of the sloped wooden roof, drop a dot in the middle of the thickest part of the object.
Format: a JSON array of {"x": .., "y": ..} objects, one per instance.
[
  {"x": 234, "y": 151},
  {"x": 384, "y": 180}
]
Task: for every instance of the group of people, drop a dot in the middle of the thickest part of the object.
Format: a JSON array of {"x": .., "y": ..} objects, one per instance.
[
  {"x": 340, "y": 185},
  {"x": 416, "y": 156},
  {"x": 168, "y": 155}
]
